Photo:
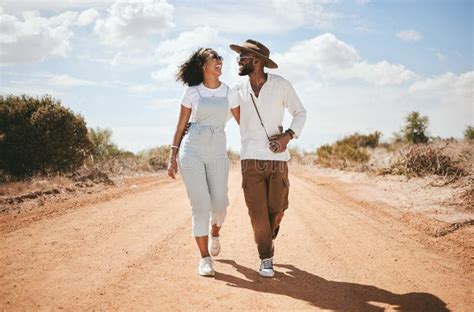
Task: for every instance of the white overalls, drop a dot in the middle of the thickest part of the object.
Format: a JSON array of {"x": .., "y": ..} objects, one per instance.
[{"x": 204, "y": 165}]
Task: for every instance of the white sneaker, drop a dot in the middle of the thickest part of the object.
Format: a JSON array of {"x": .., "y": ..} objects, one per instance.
[
  {"x": 206, "y": 267},
  {"x": 266, "y": 268},
  {"x": 214, "y": 245}
]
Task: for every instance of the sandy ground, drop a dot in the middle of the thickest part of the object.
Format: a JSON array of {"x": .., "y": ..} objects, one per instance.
[{"x": 130, "y": 248}]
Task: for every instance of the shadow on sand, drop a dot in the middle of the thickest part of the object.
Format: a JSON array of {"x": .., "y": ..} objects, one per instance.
[{"x": 330, "y": 295}]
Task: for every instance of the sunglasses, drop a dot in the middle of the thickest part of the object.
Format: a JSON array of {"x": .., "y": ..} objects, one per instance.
[
  {"x": 216, "y": 57},
  {"x": 239, "y": 58}
]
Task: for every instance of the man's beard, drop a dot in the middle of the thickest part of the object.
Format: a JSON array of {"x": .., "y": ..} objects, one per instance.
[{"x": 247, "y": 69}]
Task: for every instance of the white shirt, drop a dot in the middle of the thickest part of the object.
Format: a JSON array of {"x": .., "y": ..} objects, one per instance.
[
  {"x": 276, "y": 94},
  {"x": 192, "y": 94}
]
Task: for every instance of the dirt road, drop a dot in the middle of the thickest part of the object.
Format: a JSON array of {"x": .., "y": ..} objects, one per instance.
[{"x": 132, "y": 250}]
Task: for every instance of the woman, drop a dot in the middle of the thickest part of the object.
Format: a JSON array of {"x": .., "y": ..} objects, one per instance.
[{"x": 203, "y": 161}]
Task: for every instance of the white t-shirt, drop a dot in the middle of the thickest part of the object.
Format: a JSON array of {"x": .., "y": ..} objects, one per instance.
[{"x": 192, "y": 94}]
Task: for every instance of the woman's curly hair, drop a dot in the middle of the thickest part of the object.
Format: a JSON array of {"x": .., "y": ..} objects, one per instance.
[{"x": 190, "y": 72}]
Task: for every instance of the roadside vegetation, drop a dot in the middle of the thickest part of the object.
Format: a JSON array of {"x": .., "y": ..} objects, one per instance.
[
  {"x": 42, "y": 140},
  {"x": 44, "y": 144},
  {"x": 410, "y": 152}
]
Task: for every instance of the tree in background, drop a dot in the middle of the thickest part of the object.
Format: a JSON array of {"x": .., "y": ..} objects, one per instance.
[
  {"x": 39, "y": 136},
  {"x": 103, "y": 147},
  {"x": 415, "y": 128},
  {"x": 469, "y": 133}
]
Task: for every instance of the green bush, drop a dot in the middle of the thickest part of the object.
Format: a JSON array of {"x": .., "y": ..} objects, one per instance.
[
  {"x": 39, "y": 136},
  {"x": 415, "y": 129},
  {"x": 324, "y": 153},
  {"x": 469, "y": 133},
  {"x": 155, "y": 158},
  {"x": 103, "y": 147},
  {"x": 348, "y": 150},
  {"x": 361, "y": 140}
]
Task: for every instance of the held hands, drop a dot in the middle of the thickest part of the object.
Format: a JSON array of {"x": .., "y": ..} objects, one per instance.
[
  {"x": 172, "y": 167},
  {"x": 279, "y": 142}
]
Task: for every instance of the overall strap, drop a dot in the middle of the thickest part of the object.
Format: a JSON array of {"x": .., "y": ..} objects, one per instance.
[{"x": 197, "y": 90}]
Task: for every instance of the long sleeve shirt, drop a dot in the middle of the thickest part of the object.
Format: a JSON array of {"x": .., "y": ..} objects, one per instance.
[{"x": 276, "y": 95}]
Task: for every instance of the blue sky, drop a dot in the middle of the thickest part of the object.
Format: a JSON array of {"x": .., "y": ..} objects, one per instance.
[{"x": 357, "y": 65}]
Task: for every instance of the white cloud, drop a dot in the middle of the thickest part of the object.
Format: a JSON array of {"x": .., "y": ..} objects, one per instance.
[
  {"x": 50, "y": 80},
  {"x": 362, "y": 2},
  {"x": 16, "y": 7},
  {"x": 171, "y": 53},
  {"x": 87, "y": 17},
  {"x": 134, "y": 20},
  {"x": 303, "y": 12},
  {"x": 446, "y": 86},
  {"x": 259, "y": 17},
  {"x": 325, "y": 52},
  {"x": 34, "y": 38},
  {"x": 448, "y": 100},
  {"x": 328, "y": 58},
  {"x": 409, "y": 35},
  {"x": 168, "y": 55},
  {"x": 64, "y": 80},
  {"x": 382, "y": 73}
]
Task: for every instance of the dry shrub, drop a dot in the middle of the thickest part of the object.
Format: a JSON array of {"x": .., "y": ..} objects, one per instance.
[
  {"x": 361, "y": 140},
  {"x": 421, "y": 160},
  {"x": 94, "y": 175},
  {"x": 296, "y": 155},
  {"x": 348, "y": 152},
  {"x": 34, "y": 184},
  {"x": 342, "y": 156},
  {"x": 154, "y": 159},
  {"x": 119, "y": 165},
  {"x": 467, "y": 197}
]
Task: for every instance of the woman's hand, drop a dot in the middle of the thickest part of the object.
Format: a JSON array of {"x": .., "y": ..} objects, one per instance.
[{"x": 172, "y": 167}]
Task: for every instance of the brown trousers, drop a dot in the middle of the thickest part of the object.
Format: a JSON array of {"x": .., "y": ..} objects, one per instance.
[{"x": 266, "y": 188}]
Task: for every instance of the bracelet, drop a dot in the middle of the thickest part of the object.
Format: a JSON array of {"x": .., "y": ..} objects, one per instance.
[{"x": 174, "y": 146}]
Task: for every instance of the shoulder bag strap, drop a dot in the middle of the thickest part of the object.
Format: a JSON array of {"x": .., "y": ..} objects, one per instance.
[{"x": 261, "y": 122}]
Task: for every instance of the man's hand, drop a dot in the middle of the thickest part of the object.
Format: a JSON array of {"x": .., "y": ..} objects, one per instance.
[{"x": 281, "y": 141}]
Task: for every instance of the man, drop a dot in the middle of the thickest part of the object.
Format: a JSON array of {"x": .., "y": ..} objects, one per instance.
[{"x": 263, "y": 99}]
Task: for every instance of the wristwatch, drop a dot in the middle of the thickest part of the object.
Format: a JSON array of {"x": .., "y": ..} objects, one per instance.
[{"x": 291, "y": 133}]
